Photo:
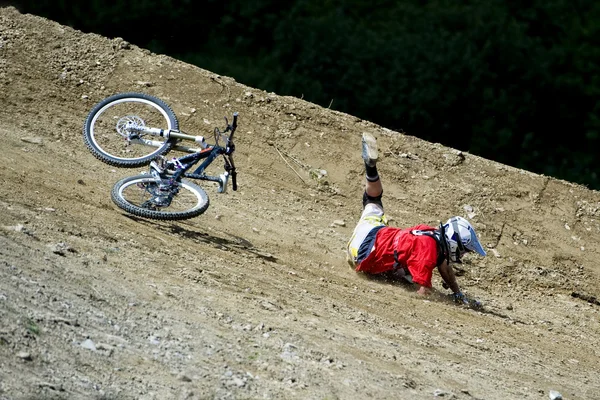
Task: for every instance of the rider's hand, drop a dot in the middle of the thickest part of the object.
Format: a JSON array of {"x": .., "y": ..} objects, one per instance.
[
  {"x": 423, "y": 291},
  {"x": 461, "y": 298}
]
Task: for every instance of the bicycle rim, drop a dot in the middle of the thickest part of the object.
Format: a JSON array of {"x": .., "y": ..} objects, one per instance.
[
  {"x": 138, "y": 195},
  {"x": 109, "y": 135}
]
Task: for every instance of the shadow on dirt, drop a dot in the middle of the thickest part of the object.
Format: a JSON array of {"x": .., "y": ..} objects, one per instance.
[
  {"x": 436, "y": 295},
  {"x": 235, "y": 244}
]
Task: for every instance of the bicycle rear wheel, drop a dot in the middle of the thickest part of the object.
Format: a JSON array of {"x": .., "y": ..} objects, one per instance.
[
  {"x": 141, "y": 195},
  {"x": 110, "y": 132}
]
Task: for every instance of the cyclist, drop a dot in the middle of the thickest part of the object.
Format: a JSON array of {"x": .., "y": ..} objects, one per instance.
[{"x": 410, "y": 253}]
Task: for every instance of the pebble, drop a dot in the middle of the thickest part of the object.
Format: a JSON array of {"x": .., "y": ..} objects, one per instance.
[
  {"x": 441, "y": 393},
  {"x": 184, "y": 377},
  {"x": 88, "y": 344},
  {"x": 554, "y": 395},
  {"x": 154, "y": 340},
  {"x": 23, "y": 355},
  {"x": 61, "y": 248},
  {"x": 32, "y": 140},
  {"x": 16, "y": 228}
]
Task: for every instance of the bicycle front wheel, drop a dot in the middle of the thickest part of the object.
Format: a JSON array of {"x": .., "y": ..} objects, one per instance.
[
  {"x": 142, "y": 195},
  {"x": 111, "y": 129}
]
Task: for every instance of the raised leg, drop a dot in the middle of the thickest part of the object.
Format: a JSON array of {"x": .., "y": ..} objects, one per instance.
[{"x": 373, "y": 187}]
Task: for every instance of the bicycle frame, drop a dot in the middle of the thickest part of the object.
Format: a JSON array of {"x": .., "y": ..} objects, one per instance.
[
  {"x": 208, "y": 153},
  {"x": 185, "y": 163}
]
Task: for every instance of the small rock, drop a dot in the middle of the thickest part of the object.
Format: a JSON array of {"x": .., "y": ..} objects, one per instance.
[
  {"x": 154, "y": 340},
  {"x": 32, "y": 140},
  {"x": 339, "y": 222},
  {"x": 88, "y": 344},
  {"x": 23, "y": 355},
  {"x": 52, "y": 386},
  {"x": 16, "y": 228},
  {"x": 269, "y": 306},
  {"x": 259, "y": 327},
  {"x": 61, "y": 248},
  {"x": 238, "y": 382},
  {"x": 554, "y": 395},
  {"x": 184, "y": 377},
  {"x": 441, "y": 393}
]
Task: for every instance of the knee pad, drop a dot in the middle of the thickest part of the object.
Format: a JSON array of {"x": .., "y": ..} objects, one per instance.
[{"x": 369, "y": 199}]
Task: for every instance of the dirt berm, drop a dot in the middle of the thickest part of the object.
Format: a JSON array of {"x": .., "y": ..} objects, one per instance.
[{"x": 254, "y": 299}]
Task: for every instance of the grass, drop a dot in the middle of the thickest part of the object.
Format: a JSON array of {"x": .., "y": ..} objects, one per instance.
[{"x": 32, "y": 327}]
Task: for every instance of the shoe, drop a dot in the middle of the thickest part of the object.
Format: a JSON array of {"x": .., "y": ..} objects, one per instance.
[{"x": 369, "y": 149}]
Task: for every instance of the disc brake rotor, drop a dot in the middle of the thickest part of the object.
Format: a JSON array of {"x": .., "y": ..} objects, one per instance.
[{"x": 129, "y": 125}]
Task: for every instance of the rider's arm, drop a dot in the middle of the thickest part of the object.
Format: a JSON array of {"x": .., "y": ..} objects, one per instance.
[{"x": 448, "y": 276}]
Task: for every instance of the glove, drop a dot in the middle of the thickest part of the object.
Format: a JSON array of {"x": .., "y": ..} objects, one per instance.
[{"x": 461, "y": 298}]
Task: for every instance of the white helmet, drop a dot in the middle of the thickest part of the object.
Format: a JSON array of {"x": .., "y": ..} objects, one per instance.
[{"x": 461, "y": 237}]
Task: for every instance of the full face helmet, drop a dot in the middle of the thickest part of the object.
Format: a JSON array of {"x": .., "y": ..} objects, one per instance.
[{"x": 461, "y": 238}]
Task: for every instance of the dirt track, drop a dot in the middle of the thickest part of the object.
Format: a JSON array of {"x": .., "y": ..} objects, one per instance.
[{"x": 254, "y": 298}]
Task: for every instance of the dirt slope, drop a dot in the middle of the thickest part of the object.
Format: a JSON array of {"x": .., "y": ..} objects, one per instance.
[{"x": 254, "y": 298}]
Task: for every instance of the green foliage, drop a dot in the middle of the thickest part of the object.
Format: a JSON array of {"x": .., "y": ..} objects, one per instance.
[
  {"x": 32, "y": 327},
  {"x": 513, "y": 81}
]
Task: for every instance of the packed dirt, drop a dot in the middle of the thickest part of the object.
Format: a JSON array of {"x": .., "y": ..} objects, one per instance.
[{"x": 254, "y": 299}]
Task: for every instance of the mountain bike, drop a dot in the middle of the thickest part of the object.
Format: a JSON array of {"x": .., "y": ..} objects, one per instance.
[{"x": 135, "y": 129}]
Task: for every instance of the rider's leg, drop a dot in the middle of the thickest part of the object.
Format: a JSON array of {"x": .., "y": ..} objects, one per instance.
[
  {"x": 372, "y": 215},
  {"x": 373, "y": 187}
]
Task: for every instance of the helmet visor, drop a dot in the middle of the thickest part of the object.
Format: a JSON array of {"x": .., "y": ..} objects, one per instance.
[{"x": 474, "y": 245}]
